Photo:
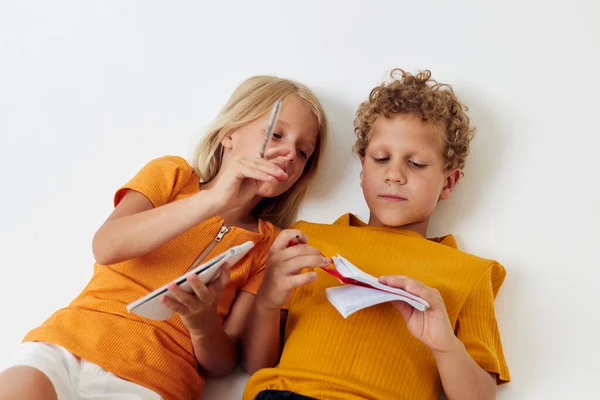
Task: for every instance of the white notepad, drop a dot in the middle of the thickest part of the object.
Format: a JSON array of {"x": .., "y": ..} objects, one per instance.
[
  {"x": 150, "y": 306},
  {"x": 361, "y": 290}
]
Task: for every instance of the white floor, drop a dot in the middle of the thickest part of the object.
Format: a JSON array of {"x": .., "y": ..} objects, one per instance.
[{"x": 230, "y": 387}]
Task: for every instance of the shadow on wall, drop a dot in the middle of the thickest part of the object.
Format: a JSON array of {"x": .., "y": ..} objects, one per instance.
[
  {"x": 339, "y": 170},
  {"x": 488, "y": 149},
  {"x": 337, "y": 153}
]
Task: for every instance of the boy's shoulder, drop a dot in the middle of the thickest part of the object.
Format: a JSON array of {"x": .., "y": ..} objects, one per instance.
[{"x": 350, "y": 229}]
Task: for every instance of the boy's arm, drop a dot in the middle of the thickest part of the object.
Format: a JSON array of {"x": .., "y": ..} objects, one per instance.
[
  {"x": 289, "y": 255},
  {"x": 461, "y": 377},
  {"x": 261, "y": 339}
]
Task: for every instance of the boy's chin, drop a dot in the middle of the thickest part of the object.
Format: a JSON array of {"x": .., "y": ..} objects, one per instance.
[{"x": 390, "y": 218}]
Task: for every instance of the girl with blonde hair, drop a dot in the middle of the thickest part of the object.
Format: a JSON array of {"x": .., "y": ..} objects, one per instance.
[{"x": 170, "y": 216}]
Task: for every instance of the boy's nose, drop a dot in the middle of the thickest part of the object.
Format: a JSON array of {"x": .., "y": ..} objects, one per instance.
[{"x": 395, "y": 176}]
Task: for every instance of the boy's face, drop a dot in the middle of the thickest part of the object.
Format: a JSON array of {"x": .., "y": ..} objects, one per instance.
[{"x": 403, "y": 172}]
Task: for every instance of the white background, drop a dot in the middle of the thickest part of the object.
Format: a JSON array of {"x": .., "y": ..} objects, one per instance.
[{"x": 90, "y": 91}]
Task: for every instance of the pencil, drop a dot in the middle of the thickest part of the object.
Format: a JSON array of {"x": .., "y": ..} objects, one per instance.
[{"x": 270, "y": 127}]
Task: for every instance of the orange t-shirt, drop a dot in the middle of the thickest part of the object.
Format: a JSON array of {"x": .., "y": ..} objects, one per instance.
[
  {"x": 371, "y": 354},
  {"x": 156, "y": 354}
]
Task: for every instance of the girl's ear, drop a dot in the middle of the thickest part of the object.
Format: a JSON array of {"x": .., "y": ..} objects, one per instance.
[
  {"x": 452, "y": 179},
  {"x": 227, "y": 142}
]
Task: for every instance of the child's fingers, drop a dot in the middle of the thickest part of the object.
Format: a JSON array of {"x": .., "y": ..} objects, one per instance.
[
  {"x": 413, "y": 286},
  {"x": 268, "y": 167},
  {"x": 277, "y": 152},
  {"x": 174, "y": 305},
  {"x": 186, "y": 299},
  {"x": 200, "y": 290},
  {"x": 397, "y": 281},
  {"x": 298, "y": 251},
  {"x": 293, "y": 282},
  {"x": 297, "y": 264},
  {"x": 223, "y": 280},
  {"x": 253, "y": 173},
  {"x": 288, "y": 237},
  {"x": 404, "y": 309},
  {"x": 402, "y": 282}
]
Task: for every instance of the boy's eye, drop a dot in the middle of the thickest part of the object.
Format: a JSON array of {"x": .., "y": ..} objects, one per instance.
[
  {"x": 277, "y": 135},
  {"x": 416, "y": 164},
  {"x": 380, "y": 160}
]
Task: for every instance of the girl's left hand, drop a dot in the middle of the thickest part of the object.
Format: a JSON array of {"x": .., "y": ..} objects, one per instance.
[
  {"x": 197, "y": 308},
  {"x": 432, "y": 326}
]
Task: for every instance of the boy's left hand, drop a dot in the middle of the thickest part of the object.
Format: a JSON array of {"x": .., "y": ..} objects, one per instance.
[
  {"x": 199, "y": 308},
  {"x": 432, "y": 326}
]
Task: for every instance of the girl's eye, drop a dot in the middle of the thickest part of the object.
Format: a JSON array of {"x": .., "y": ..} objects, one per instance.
[
  {"x": 416, "y": 164},
  {"x": 302, "y": 153},
  {"x": 277, "y": 135},
  {"x": 380, "y": 160}
]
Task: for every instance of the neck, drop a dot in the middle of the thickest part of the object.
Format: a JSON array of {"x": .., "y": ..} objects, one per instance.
[
  {"x": 239, "y": 216},
  {"x": 242, "y": 216}
]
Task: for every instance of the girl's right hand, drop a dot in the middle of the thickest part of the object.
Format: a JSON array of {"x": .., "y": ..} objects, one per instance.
[
  {"x": 284, "y": 266},
  {"x": 238, "y": 183}
]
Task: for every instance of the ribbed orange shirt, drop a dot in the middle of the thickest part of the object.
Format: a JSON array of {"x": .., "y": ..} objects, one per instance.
[
  {"x": 371, "y": 354},
  {"x": 156, "y": 354}
]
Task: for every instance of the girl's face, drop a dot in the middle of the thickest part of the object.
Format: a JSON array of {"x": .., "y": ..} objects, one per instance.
[{"x": 296, "y": 129}]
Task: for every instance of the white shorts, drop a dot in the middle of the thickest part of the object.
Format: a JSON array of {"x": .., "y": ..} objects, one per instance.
[{"x": 74, "y": 378}]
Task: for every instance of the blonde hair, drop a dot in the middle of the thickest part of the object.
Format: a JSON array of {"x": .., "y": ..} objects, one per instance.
[{"x": 252, "y": 99}]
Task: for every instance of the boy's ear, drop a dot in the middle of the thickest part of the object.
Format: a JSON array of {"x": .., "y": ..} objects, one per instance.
[
  {"x": 362, "y": 164},
  {"x": 452, "y": 179}
]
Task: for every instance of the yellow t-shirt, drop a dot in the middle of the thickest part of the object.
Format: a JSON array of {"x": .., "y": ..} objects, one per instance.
[
  {"x": 371, "y": 354},
  {"x": 156, "y": 354}
]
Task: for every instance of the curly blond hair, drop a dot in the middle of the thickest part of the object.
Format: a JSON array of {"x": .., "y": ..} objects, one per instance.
[{"x": 433, "y": 102}]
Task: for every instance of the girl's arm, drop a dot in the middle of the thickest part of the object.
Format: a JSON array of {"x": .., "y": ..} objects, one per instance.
[
  {"x": 216, "y": 344},
  {"x": 136, "y": 228}
]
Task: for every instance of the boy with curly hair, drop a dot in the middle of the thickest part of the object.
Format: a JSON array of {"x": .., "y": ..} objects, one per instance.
[{"x": 413, "y": 137}]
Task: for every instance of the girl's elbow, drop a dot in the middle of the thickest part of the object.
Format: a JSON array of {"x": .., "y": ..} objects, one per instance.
[{"x": 104, "y": 253}]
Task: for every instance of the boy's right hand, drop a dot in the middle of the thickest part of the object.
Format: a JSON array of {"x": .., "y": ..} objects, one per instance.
[{"x": 284, "y": 265}]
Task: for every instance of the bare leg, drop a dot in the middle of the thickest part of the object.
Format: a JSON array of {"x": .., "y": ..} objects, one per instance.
[{"x": 25, "y": 383}]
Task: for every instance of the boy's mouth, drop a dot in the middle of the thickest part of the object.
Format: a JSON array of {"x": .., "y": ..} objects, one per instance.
[{"x": 392, "y": 198}]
